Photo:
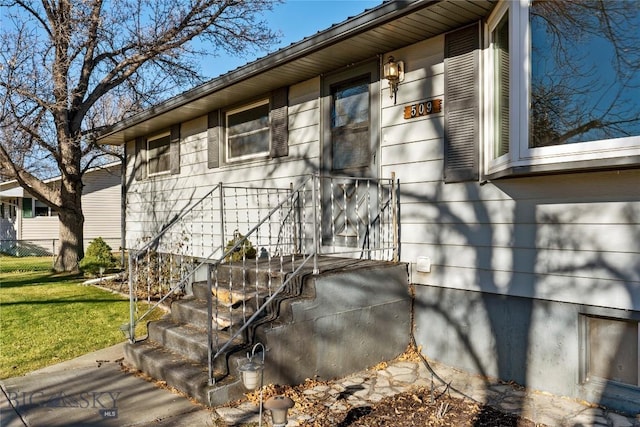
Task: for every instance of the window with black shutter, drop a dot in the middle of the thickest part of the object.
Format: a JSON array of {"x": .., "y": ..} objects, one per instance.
[
  {"x": 158, "y": 154},
  {"x": 251, "y": 131}
]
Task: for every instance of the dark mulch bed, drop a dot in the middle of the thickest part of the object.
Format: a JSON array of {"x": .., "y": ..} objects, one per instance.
[{"x": 416, "y": 409}]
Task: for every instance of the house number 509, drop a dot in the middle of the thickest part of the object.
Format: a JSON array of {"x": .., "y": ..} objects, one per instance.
[{"x": 423, "y": 108}]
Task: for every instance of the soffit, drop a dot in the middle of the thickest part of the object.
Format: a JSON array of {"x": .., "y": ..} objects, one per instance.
[{"x": 388, "y": 27}]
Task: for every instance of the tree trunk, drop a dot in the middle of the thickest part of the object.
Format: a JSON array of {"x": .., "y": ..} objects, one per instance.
[
  {"x": 70, "y": 245},
  {"x": 71, "y": 235}
]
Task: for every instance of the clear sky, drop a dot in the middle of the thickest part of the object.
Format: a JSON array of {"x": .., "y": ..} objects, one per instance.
[{"x": 295, "y": 20}]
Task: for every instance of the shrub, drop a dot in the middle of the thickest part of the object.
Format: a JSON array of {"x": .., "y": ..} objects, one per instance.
[
  {"x": 97, "y": 256},
  {"x": 243, "y": 251}
]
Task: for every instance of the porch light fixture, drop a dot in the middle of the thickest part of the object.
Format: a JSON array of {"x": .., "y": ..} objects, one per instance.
[
  {"x": 279, "y": 406},
  {"x": 393, "y": 71},
  {"x": 253, "y": 374}
]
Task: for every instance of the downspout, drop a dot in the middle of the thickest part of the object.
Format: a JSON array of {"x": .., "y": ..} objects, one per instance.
[
  {"x": 123, "y": 206},
  {"x": 19, "y": 219}
]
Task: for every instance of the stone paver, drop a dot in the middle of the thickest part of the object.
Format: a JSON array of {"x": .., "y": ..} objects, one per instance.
[{"x": 367, "y": 388}]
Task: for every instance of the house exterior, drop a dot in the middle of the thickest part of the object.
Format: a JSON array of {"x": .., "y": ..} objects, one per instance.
[
  {"x": 522, "y": 237},
  {"x": 33, "y": 227}
]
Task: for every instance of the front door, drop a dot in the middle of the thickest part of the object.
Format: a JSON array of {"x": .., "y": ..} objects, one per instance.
[{"x": 350, "y": 150}]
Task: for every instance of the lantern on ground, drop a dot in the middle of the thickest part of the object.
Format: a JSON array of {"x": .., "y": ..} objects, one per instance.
[{"x": 279, "y": 407}]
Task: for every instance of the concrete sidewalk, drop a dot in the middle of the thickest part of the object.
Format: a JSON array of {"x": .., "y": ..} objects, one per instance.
[{"x": 93, "y": 390}]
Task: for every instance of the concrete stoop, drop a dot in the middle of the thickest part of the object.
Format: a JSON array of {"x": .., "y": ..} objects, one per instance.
[{"x": 351, "y": 316}]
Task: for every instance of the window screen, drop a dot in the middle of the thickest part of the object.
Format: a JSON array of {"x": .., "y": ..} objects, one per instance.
[
  {"x": 248, "y": 132},
  {"x": 159, "y": 154}
]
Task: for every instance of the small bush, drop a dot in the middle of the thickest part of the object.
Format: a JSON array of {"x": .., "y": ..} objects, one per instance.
[
  {"x": 243, "y": 251},
  {"x": 97, "y": 256}
]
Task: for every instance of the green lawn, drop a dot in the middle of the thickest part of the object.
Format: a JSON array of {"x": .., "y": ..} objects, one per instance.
[
  {"x": 47, "y": 318},
  {"x": 30, "y": 263}
]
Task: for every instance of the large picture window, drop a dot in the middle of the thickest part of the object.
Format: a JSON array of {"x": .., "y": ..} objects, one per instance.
[
  {"x": 563, "y": 84},
  {"x": 248, "y": 133},
  {"x": 585, "y": 76}
]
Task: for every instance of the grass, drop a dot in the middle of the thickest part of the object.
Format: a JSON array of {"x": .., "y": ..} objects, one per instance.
[
  {"x": 46, "y": 318},
  {"x": 30, "y": 263}
]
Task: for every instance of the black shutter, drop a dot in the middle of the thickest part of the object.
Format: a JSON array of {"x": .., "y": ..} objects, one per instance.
[
  {"x": 461, "y": 105},
  {"x": 141, "y": 159},
  {"x": 174, "y": 147},
  {"x": 213, "y": 140},
  {"x": 279, "y": 123}
]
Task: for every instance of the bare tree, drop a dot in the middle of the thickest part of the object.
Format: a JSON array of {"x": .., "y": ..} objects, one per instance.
[{"x": 70, "y": 67}]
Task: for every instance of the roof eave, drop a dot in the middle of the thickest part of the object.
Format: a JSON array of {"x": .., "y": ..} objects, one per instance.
[{"x": 350, "y": 28}]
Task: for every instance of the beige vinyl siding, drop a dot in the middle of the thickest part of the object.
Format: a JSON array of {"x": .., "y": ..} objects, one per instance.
[
  {"x": 565, "y": 237},
  {"x": 568, "y": 238},
  {"x": 40, "y": 228},
  {"x": 153, "y": 202},
  {"x": 101, "y": 206}
]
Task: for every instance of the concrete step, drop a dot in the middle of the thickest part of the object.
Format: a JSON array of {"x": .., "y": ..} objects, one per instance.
[
  {"x": 230, "y": 296},
  {"x": 187, "y": 377},
  {"x": 264, "y": 273},
  {"x": 188, "y": 341},
  {"x": 323, "y": 326},
  {"x": 194, "y": 311}
]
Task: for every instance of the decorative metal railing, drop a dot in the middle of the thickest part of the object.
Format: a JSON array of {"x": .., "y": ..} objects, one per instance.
[{"x": 253, "y": 243}]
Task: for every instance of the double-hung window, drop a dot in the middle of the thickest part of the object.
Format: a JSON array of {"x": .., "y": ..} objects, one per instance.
[
  {"x": 32, "y": 208},
  {"x": 563, "y": 85},
  {"x": 255, "y": 130},
  {"x": 248, "y": 132},
  {"x": 159, "y": 154}
]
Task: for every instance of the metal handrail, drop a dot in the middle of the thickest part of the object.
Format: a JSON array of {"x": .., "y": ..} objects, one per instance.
[
  {"x": 207, "y": 260},
  {"x": 254, "y": 316},
  {"x": 379, "y": 222},
  {"x": 174, "y": 221}
]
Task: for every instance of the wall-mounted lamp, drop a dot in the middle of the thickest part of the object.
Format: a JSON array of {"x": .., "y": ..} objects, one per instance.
[
  {"x": 253, "y": 374},
  {"x": 279, "y": 406},
  {"x": 394, "y": 73}
]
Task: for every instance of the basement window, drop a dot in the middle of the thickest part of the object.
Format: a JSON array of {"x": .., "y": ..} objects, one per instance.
[{"x": 612, "y": 349}]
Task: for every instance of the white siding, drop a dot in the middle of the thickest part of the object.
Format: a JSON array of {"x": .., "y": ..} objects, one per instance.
[
  {"x": 152, "y": 203},
  {"x": 101, "y": 206},
  {"x": 40, "y": 228},
  {"x": 570, "y": 238}
]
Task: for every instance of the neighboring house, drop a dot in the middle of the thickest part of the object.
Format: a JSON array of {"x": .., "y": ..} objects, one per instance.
[
  {"x": 524, "y": 256},
  {"x": 31, "y": 225}
]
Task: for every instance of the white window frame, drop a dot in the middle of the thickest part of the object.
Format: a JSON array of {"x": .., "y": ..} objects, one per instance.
[
  {"x": 520, "y": 154},
  {"x": 148, "y": 142},
  {"x": 41, "y": 205},
  {"x": 261, "y": 154}
]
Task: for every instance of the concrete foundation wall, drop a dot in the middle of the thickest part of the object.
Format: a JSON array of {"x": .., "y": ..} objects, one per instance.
[
  {"x": 537, "y": 343},
  {"x": 356, "y": 320}
]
